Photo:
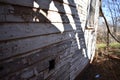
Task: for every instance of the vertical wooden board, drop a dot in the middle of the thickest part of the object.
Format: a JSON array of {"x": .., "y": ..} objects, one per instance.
[{"x": 95, "y": 30}]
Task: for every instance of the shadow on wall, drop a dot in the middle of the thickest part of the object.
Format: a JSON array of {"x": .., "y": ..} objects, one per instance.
[
  {"x": 53, "y": 12},
  {"x": 58, "y": 19},
  {"x": 42, "y": 15}
]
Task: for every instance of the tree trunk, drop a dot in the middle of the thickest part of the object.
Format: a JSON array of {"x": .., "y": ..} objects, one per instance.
[{"x": 107, "y": 41}]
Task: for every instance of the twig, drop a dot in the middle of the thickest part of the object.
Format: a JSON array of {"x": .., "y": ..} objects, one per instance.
[{"x": 107, "y": 24}]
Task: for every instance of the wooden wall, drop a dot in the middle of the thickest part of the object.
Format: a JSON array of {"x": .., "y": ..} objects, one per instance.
[{"x": 36, "y": 35}]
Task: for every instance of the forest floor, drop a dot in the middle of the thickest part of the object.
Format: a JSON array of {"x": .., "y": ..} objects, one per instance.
[{"x": 105, "y": 66}]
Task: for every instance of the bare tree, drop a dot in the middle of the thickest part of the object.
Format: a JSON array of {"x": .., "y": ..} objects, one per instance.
[
  {"x": 113, "y": 7},
  {"x": 107, "y": 25}
]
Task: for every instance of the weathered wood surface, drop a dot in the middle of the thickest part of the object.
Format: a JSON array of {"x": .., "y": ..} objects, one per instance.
[
  {"x": 21, "y": 14},
  {"x": 38, "y": 57},
  {"x": 42, "y": 3},
  {"x": 21, "y": 30},
  {"x": 33, "y": 32},
  {"x": 23, "y": 46}
]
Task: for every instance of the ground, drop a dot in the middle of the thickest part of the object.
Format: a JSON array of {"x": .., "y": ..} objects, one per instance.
[{"x": 106, "y": 66}]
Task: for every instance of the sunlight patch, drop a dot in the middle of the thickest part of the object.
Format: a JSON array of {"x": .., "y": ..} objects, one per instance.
[
  {"x": 35, "y": 4},
  {"x": 42, "y": 12},
  {"x": 59, "y": 26},
  {"x": 84, "y": 52},
  {"x": 78, "y": 41},
  {"x": 52, "y": 6}
]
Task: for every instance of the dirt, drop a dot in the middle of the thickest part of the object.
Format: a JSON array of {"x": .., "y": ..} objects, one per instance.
[{"x": 104, "y": 67}]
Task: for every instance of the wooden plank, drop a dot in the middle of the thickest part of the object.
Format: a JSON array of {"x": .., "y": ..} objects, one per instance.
[
  {"x": 75, "y": 59},
  {"x": 61, "y": 72},
  {"x": 66, "y": 54},
  {"x": 10, "y": 31},
  {"x": 25, "y": 14},
  {"x": 75, "y": 64},
  {"x": 24, "y": 73},
  {"x": 49, "y": 5},
  {"x": 8, "y": 49},
  {"x": 83, "y": 65},
  {"x": 12, "y": 69},
  {"x": 37, "y": 77},
  {"x": 19, "y": 2},
  {"x": 78, "y": 67},
  {"x": 17, "y": 64},
  {"x": 44, "y": 3},
  {"x": 58, "y": 67},
  {"x": 61, "y": 7}
]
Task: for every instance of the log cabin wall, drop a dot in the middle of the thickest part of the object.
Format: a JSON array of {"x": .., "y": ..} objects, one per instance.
[{"x": 45, "y": 39}]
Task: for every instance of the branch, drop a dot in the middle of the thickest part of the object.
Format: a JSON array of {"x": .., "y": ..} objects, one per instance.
[{"x": 108, "y": 25}]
